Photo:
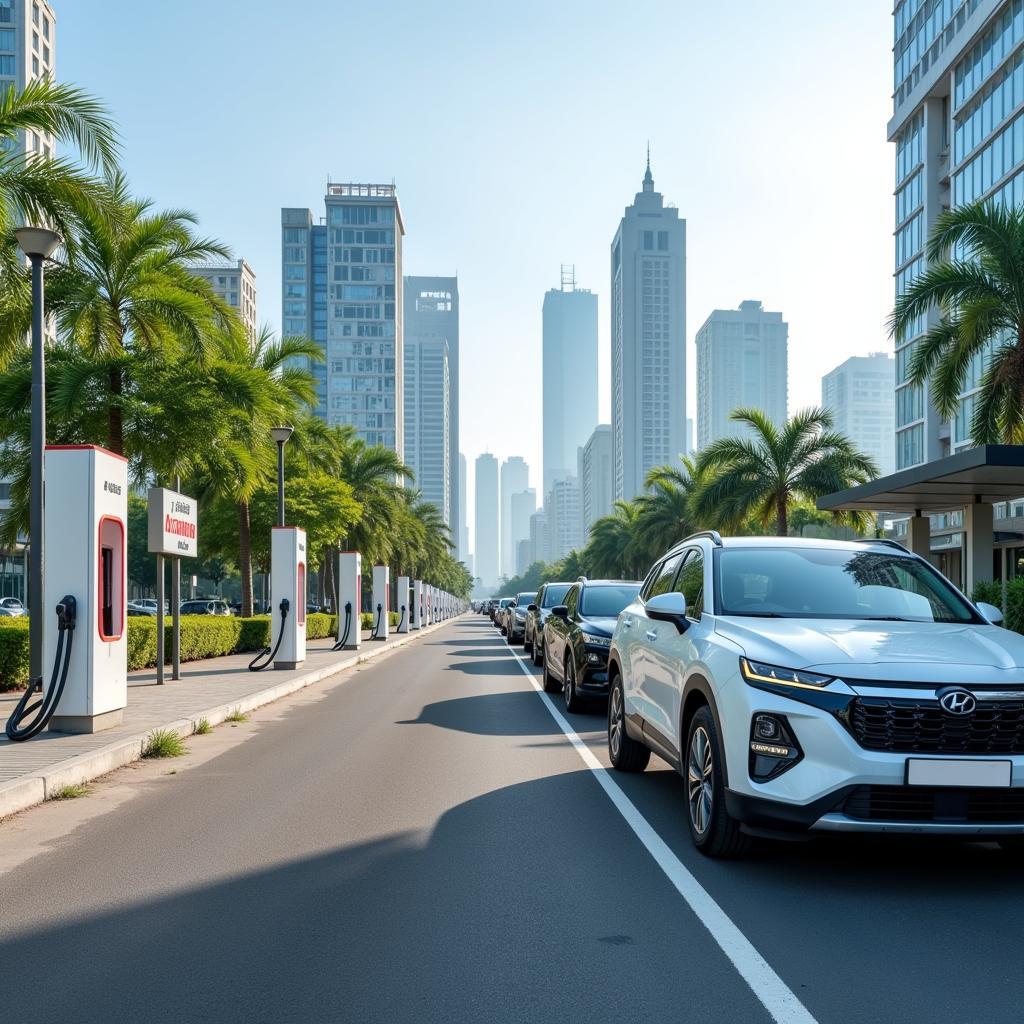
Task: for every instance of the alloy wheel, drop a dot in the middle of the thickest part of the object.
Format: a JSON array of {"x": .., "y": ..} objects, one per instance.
[
  {"x": 615, "y": 723},
  {"x": 568, "y": 688},
  {"x": 700, "y": 779}
]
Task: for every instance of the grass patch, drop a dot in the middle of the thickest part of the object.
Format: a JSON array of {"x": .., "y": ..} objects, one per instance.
[
  {"x": 163, "y": 743},
  {"x": 238, "y": 715},
  {"x": 72, "y": 792},
  {"x": 203, "y": 727}
]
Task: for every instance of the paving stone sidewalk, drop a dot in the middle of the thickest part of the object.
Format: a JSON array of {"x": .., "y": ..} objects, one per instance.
[{"x": 33, "y": 770}]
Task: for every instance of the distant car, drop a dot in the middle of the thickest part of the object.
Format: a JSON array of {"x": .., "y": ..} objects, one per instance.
[
  {"x": 578, "y": 636},
  {"x": 11, "y": 607},
  {"x": 211, "y": 606},
  {"x": 141, "y": 608},
  {"x": 499, "y": 613},
  {"x": 515, "y": 615},
  {"x": 548, "y": 596}
]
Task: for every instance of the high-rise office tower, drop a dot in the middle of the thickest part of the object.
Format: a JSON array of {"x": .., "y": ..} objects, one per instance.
[
  {"x": 339, "y": 288},
  {"x": 742, "y": 362},
  {"x": 426, "y": 384},
  {"x": 959, "y": 135},
  {"x": 522, "y": 505},
  {"x": 539, "y": 537},
  {"x": 235, "y": 283},
  {"x": 569, "y": 371},
  {"x": 648, "y": 294},
  {"x": 562, "y": 506},
  {"x": 463, "y": 535},
  {"x": 515, "y": 477},
  {"x": 485, "y": 548},
  {"x": 595, "y": 478},
  {"x": 28, "y": 51},
  {"x": 859, "y": 394},
  {"x": 432, "y": 311}
]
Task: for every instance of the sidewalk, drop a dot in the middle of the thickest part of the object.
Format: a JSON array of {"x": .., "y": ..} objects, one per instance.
[{"x": 212, "y": 689}]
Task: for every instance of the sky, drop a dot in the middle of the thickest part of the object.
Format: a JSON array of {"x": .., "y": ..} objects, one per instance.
[{"x": 516, "y": 135}]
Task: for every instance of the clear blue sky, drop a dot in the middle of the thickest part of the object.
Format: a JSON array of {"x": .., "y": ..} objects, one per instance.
[{"x": 516, "y": 135}]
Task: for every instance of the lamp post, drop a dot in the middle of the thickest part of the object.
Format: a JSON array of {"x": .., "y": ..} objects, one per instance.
[
  {"x": 38, "y": 244},
  {"x": 280, "y": 435}
]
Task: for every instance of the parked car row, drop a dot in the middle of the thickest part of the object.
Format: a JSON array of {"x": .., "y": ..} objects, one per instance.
[{"x": 799, "y": 686}]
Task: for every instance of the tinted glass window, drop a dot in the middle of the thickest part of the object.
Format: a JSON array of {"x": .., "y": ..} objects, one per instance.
[
  {"x": 555, "y": 594},
  {"x": 608, "y": 601},
  {"x": 570, "y": 601},
  {"x": 831, "y": 583},
  {"x": 662, "y": 581},
  {"x": 690, "y": 583},
  {"x": 522, "y": 600}
]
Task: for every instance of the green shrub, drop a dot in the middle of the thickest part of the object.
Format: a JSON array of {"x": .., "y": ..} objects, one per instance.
[
  {"x": 990, "y": 591},
  {"x": 13, "y": 653}
]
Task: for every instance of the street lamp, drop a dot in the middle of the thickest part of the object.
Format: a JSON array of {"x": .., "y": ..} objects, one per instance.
[
  {"x": 38, "y": 244},
  {"x": 280, "y": 435}
]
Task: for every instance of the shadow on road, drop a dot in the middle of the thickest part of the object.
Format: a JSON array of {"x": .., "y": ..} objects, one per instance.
[{"x": 489, "y": 714}]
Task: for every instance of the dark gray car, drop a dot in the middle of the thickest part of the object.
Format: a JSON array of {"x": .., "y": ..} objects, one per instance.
[{"x": 548, "y": 596}]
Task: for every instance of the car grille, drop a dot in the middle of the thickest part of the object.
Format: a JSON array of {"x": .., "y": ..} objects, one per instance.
[
  {"x": 935, "y": 804},
  {"x": 922, "y": 727}
]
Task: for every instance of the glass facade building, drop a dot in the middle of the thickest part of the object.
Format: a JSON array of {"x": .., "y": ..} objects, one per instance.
[{"x": 340, "y": 287}]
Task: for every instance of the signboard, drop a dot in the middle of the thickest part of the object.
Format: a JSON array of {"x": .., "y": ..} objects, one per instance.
[{"x": 173, "y": 523}]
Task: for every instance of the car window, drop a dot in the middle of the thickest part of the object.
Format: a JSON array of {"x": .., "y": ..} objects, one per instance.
[
  {"x": 662, "y": 580},
  {"x": 690, "y": 583},
  {"x": 554, "y": 594},
  {"x": 606, "y": 600},
  {"x": 645, "y": 587},
  {"x": 571, "y": 599}
]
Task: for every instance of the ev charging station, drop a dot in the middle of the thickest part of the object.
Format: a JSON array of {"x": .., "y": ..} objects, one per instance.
[
  {"x": 404, "y": 602},
  {"x": 288, "y": 596},
  {"x": 416, "y": 619},
  {"x": 85, "y": 525},
  {"x": 350, "y": 598},
  {"x": 381, "y": 588}
]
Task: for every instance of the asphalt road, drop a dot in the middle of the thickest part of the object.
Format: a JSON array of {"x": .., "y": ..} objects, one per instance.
[{"x": 423, "y": 843}]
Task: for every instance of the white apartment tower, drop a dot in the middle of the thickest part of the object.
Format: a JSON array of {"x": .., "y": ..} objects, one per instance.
[
  {"x": 742, "y": 362},
  {"x": 28, "y": 51},
  {"x": 595, "y": 478},
  {"x": 569, "y": 377},
  {"x": 427, "y": 396},
  {"x": 859, "y": 395},
  {"x": 235, "y": 284},
  {"x": 648, "y": 329}
]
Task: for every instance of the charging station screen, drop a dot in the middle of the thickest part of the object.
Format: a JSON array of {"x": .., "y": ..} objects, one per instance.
[
  {"x": 110, "y": 579},
  {"x": 301, "y": 594}
]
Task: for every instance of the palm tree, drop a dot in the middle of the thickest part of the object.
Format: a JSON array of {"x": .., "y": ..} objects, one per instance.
[
  {"x": 976, "y": 280},
  {"x": 128, "y": 285},
  {"x": 611, "y": 549},
  {"x": 761, "y": 475},
  {"x": 664, "y": 508}
]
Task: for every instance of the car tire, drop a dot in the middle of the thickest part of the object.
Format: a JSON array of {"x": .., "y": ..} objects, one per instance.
[
  {"x": 538, "y": 652},
  {"x": 570, "y": 695},
  {"x": 713, "y": 830},
  {"x": 624, "y": 752},
  {"x": 550, "y": 685},
  {"x": 527, "y": 644}
]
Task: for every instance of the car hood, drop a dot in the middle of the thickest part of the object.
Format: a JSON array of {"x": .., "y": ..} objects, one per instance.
[
  {"x": 906, "y": 651},
  {"x": 599, "y": 625}
]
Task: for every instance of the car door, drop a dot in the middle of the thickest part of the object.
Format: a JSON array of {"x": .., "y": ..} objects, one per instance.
[
  {"x": 555, "y": 633},
  {"x": 672, "y": 653}
]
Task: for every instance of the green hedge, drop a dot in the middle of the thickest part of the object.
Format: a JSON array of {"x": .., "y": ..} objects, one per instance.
[{"x": 13, "y": 653}]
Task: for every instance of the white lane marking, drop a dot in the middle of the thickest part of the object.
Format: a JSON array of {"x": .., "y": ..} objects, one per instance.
[{"x": 775, "y": 995}]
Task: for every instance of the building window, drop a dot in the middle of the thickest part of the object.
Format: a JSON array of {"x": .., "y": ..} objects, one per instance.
[
  {"x": 35, "y": 65},
  {"x": 6, "y": 11},
  {"x": 35, "y": 14},
  {"x": 6, "y": 65},
  {"x": 46, "y": 28},
  {"x": 662, "y": 241}
]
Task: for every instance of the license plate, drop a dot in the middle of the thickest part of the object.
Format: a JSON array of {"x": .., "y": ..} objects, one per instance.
[{"x": 955, "y": 771}]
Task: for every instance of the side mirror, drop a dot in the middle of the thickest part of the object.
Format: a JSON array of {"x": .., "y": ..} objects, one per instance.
[
  {"x": 560, "y": 611},
  {"x": 531, "y": 607},
  {"x": 670, "y": 607},
  {"x": 990, "y": 612}
]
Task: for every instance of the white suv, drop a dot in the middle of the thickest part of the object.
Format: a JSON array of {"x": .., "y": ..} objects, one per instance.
[{"x": 820, "y": 686}]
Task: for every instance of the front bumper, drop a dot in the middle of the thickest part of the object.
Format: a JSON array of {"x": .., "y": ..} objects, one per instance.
[{"x": 516, "y": 629}]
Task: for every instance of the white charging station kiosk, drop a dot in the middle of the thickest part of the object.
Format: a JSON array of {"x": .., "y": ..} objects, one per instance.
[
  {"x": 381, "y": 587},
  {"x": 404, "y": 602},
  {"x": 350, "y": 596},
  {"x": 288, "y": 583},
  {"x": 85, "y": 525},
  {"x": 416, "y": 620}
]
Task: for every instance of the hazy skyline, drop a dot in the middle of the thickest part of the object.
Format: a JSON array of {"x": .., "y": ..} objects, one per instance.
[{"x": 516, "y": 137}]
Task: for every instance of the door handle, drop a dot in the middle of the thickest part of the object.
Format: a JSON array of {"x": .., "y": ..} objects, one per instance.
[{"x": 651, "y": 635}]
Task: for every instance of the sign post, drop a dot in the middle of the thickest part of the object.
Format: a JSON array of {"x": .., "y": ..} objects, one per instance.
[{"x": 174, "y": 534}]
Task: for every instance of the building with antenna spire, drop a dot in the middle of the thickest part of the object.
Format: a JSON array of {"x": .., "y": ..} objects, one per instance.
[{"x": 648, "y": 329}]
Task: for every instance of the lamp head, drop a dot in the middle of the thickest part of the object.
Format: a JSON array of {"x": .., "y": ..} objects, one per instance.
[
  {"x": 281, "y": 434},
  {"x": 41, "y": 242}
]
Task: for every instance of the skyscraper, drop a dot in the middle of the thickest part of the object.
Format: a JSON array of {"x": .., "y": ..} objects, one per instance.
[
  {"x": 432, "y": 311},
  {"x": 463, "y": 535},
  {"x": 427, "y": 406},
  {"x": 569, "y": 367},
  {"x": 958, "y": 83},
  {"x": 595, "y": 478},
  {"x": 339, "y": 288},
  {"x": 648, "y": 295},
  {"x": 485, "y": 550},
  {"x": 522, "y": 505},
  {"x": 742, "y": 362},
  {"x": 28, "y": 51},
  {"x": 235, "y": 283},
  {"x": 515, "y": 477},
  {"x": 859, "y": 394},
  {"x": 562, "y": 506}
]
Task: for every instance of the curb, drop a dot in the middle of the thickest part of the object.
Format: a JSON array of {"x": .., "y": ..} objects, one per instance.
[{"x": 30, "y": 790}]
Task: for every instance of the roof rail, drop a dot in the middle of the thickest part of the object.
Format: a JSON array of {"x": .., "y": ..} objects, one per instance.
[
  {"x": 888, "y": 542},
  {"x": 713, "y": 535}
]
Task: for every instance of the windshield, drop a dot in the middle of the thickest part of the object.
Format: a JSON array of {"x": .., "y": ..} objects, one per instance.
[
  {"x": 555, "y": 594},
  {"x": 607, "y": 602},
  {"x": 522, "y": 600},
  {"x": 830, "y": 583}
]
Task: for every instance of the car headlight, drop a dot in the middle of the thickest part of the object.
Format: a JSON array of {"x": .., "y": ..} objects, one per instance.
[
  {"x": 600, "y": 641},
  {"x": 521, "y": 616},
  {"x": 758, "y": 672}
]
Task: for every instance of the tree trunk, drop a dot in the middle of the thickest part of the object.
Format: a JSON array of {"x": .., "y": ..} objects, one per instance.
[
  {"x": 782, "y": 515},
  {"x": 115, "y": 424},
  {"x": 245, "y": 557}
]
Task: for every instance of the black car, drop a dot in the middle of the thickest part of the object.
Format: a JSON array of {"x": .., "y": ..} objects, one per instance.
[
  {"x": 549, "y": 595},
  {"x": 577, "y": 636},
  {"x": 515, "y": 615}
]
